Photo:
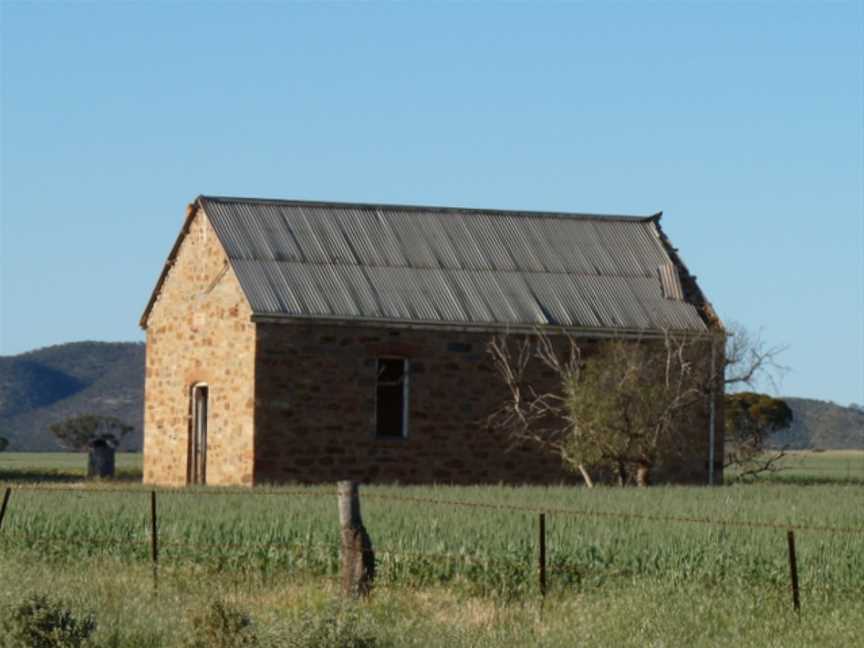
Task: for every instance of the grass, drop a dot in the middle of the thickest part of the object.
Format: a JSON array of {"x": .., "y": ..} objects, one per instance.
[
  {"x": 479, "y": 550},
  {"x": 822, "y": 466},
  {"x": 62, "y": 466},
  {"x": 451, "y": 575},
  {"x": 646, "y": 613}
]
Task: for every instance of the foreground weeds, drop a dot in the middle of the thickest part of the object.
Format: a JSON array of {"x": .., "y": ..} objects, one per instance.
[
  {"x": 42, "y": 622},
  {"x": 194, "y": 609}
]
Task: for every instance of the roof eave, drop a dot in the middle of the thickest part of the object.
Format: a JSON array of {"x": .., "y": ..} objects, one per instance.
[{"x": 480, "y": 327}]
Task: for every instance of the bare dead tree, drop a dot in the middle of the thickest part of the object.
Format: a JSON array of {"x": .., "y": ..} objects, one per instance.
[
  {"x": 625, "y": 405},
  {"x": 748, "y": 359},
  {"x": 620, "y": 408},
  {"x": 748, "y": 363},
  {"x": 529, "y": 416}
]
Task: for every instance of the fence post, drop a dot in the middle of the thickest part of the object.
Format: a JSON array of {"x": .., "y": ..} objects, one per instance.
[
  {"x": 542, "y": 554},
  {"x": 358, "y": 559},
  {"x": 5, "y": 503},
  {"x": 793, "y": 571},
  {"x": 154, "y": 538}
]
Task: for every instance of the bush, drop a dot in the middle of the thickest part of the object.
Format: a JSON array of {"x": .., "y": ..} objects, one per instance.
[
  {"x": 221, "y": 626},
  {"x": 337, "y": 626},
  {"x": 41, "y": 622}
]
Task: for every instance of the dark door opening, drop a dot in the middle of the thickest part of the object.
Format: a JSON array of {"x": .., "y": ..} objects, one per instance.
[{"x": 197, "y": 472}]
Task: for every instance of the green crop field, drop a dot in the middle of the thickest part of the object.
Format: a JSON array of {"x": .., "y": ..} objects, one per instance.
[
  {"x": 661, "y": 566},
  {"x": 61, "y": 466},
  {"x": 822, "y": 466},
  {"x": 828, "y": 466}
]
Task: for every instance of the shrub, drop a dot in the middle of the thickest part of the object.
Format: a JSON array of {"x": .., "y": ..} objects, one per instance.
[
  {"x": 221, "y": 626},
  {"x": 336, "y": 626},
  {"x": 41, "y": 622}
]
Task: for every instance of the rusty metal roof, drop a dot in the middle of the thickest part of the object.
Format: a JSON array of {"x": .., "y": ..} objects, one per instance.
[{"x": 445, "y": 266}]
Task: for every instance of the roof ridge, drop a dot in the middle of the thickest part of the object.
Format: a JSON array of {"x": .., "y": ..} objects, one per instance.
[{"x": 433, "y": 208}]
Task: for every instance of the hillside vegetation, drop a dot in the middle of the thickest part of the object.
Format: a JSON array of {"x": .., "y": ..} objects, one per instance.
[
  {"x": 822, "y": 425},
  {"x": 42, "y": 387},
  {"x": 45, "y": 386}
]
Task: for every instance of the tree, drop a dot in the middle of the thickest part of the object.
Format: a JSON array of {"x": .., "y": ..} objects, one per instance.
[
  {"x": 629, "y": 402},
  {"x": 622, "y": 408},
  {"x": 4, "y": 443},
  {"x": 748, "y": 360},
  {"x": 79, "y": 432},
  {"x": 750, "y": 419},
  {"x": 749, "y": 363}
]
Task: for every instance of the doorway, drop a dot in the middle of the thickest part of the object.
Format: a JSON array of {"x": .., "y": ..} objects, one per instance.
[{"x": 197, "y": 468}]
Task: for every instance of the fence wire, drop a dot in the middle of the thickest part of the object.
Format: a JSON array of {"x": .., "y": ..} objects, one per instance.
[{"x": 494, "y": 506}]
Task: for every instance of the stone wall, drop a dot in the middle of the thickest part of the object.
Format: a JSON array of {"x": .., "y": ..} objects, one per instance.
[
  {"x": 199, "y": 331},
  {"x": 315, "y": 411},
  {"x": 296, "y": 401}
]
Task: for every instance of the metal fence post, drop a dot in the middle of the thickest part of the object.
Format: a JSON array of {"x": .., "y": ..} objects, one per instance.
[
  {"x": 542, "y": 564},
  {"x": 5, "y": 503},
  {"x": 154, "y": 539},
  {"x": 793, "y": 571}
]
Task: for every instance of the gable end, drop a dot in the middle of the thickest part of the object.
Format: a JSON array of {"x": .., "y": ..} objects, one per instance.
[{"x": 192, "y": 211}]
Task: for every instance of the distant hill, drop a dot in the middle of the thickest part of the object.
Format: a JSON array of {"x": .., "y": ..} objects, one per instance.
[
  {"x": 47, "y": 385},
  {"x": 822, "y": 425}
]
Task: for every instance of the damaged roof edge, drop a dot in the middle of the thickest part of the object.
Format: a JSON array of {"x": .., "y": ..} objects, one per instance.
[{"x": 689, "y": 284}]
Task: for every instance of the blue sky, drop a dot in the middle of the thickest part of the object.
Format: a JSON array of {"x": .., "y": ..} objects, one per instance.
[{"x": 742, "y": 122}]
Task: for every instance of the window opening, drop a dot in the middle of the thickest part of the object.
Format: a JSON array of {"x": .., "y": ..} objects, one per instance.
[{"x": 391, "y": 412}]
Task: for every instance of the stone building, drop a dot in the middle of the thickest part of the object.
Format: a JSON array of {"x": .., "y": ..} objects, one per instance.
[{"x": 310, "y": 341}]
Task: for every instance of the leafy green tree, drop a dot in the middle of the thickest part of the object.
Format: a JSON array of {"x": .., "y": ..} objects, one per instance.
[
  {"x": 751, "y": 419},
  {"x": 4, "y": 443},
  {"x": 78, "y": 432},
  {"x": 628, "y": 403}
]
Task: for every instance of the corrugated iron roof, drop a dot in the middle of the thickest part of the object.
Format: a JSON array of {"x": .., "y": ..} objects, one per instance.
[{"x": 450, "y": 266}]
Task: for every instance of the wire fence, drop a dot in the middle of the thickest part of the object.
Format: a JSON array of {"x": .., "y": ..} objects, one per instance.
[
  {"x": 538, "y": 566},
  {"x": 622, "y": 515}
]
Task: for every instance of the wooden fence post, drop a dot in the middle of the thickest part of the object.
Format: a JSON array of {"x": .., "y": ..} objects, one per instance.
[
  {"x": 793, "y": 571},
  {"x": 5, "y": 503},
  {"x": 542, "y": 564},
  {"x": 358, "y": 559},
  {"x": 154, "y": 538}
]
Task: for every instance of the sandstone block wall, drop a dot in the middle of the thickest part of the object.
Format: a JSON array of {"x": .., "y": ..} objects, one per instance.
[{"x": 200, "y": 330}]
